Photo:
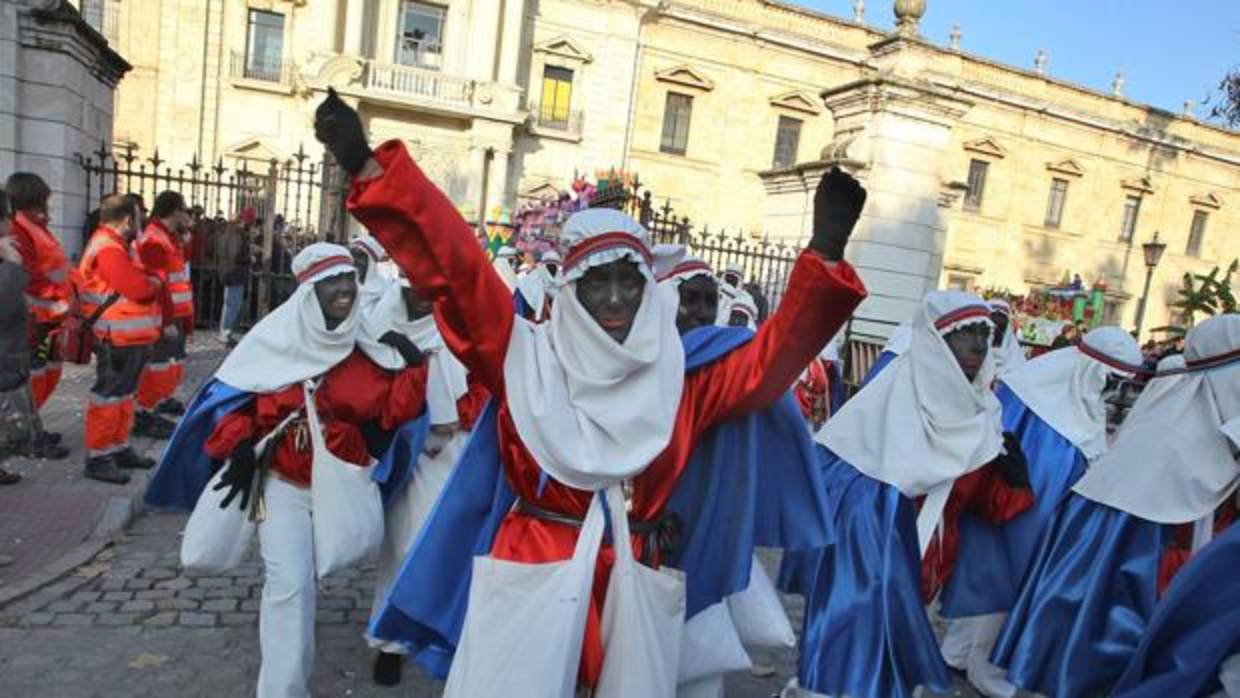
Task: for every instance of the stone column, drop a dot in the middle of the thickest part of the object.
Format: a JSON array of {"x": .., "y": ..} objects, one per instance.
[{"x": 355, "y": 11}]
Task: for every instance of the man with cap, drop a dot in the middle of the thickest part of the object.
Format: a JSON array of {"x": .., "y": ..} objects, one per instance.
[{"x": 598, "y": 395}]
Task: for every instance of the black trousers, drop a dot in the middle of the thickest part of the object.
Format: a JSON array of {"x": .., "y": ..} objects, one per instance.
[{"x": 118, "y": 369}]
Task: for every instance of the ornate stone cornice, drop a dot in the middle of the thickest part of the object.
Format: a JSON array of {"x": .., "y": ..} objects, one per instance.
[{"x": 61, "y": 29}]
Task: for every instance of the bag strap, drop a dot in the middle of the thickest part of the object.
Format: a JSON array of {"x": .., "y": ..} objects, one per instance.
[
  {"x": 621, "y": 540},
  {"x": 103, "y": 308}
]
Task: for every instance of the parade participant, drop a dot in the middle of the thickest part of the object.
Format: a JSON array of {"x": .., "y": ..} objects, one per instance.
[
  {"x": 1009, "y": 354},
  {"x": 48, "y": 290},
  {"x": 729, "y": 286},
  {"x": 413, "y": 486},
  {"x": 18, "y": 425},
  {"x": 536, "y": 286},
  {"x": 927, "y": 427},
  {"x": 1059, "y": 406},
  {"x": 1192, "y": 644},
  {"x": 130, "y": 304},
  {"x": 505, "y": 258},
  {"x": 697, "y": 291},
  {"x": 743, "y": 312},
  {"x": 597, "y": 395},
  {"x": 161, "y": 252},
  {"x": 1092, "y": 585},
  {"x": 368, "y": 254},
  {"x": 312, "y": 336}
]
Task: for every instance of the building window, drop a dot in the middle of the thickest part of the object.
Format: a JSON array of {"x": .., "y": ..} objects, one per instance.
[
  {"x": 977, "y": 184},
  {"x": 264, "y": 46},
  {"x": 1197, "y": 233},
  {"x": 557, "y": 95},
  {"x": 1055, "y": 202},
  {"x": 787, "y": 141},
  {"x": 959, "y": 282},
  {"x": 1132, "y": 209},
  {"x": 676, "y": 113},
  {"x": 421, "y": 35}
]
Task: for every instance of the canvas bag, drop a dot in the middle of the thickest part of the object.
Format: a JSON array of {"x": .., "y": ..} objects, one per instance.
[
  {"x": 346, "y": 506},
  {"x": 758, "y": 613},
  {"x": 643, "y": 620},
  {"x": 216, "y": 539},
  {"x": 524, "y": 623}
]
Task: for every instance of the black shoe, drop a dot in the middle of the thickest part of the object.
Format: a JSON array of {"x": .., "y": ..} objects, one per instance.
[
  {"x": 387, "y": 669},
  {"x": 129, "y": 460},
  {"x": 171, "y": 406},
  {"x": 154, "y": 426},
  {"x": 49, "y": 437},
  {"x": 45, "y": 449},
  {"x": 103, "y": 469}
]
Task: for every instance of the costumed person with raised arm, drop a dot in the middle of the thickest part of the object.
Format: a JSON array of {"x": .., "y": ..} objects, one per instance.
[
  {"x": 367, "y": 255},
  {"x": 595, "y": 397},
  {"x": 1093, "y": 583},
  {"x": 306, "y": 346},
  {"x": 1009, "y": 354},
  {"x": 1059, "y": 406},
  {"x": 416, "y": 465},
  {"x": 926, "y": 429}
]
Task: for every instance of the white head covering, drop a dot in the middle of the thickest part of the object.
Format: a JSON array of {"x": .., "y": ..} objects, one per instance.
[
  {"x": 591, "y": 411},
  {"x": 504, "y": 267},
  {"x": 920, "y": 423},
  {"x": 549, "y": 256},
  {"x": 1009, "y": 355},
  {"x": 1064, "y": 387},
  {"x": 372, "y": 287},
  {"x": 899, "y": 340},
  {"x": 535, "y": 286},
  {"x": 447, "y": 379},
  {"x": 1174, "y": 459},
  {"x": 293, "y": 343},
  {"x": 745, "y": 305}
]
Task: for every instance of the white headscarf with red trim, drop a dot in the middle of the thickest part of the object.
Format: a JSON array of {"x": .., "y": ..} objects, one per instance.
[
  {"x": 292, "y": 343},
  {"x": 371, "y": 288},
  {"x": 1174, "y": 459},
  {"x": 920, "y": 423},
  {"x": 1064, "y": 387},
  {"x": 745, "y": 305},
  {"x": 1009, "y": 355},
  {"x": 594, "y": 412}
]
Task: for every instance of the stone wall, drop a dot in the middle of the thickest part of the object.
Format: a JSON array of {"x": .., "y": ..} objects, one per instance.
[{"x": 57, "y": 77}]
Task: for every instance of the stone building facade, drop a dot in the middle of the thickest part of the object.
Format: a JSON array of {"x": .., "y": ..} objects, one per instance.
[
  {"x": 980, "y": 174},
  {"x": 57, "y": 80}
]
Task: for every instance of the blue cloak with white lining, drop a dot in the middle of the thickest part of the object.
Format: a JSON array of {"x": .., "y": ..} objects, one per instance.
[
  {"x": 1195, "y": 627},
  {"x": 724, "y": 506},
  {"x": 992, "y": 559}
]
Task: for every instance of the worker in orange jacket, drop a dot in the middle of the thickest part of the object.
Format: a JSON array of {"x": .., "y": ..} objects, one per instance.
[
  {"x": 160, "y": 250},
  {"x": 131, "y": 321},
  {"x": 48, "y": 292}
]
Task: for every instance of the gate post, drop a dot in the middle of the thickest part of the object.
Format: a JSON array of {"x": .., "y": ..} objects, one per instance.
[{"x": 269, "y": 207}]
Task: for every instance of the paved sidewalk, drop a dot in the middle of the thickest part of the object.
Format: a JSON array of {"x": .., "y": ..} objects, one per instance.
[{"x": 55, "y": 518}]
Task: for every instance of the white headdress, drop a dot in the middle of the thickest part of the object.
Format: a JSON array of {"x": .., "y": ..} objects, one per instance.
[
  {"x": 590, "y": 410},
  {"x": 1009, "y": 355},
  {"x": 745, "y": 305},
  {"x": 371, "y": 287},
  {"x": 1064, "y": 387},
  {"x": 293, "y": 343},
  {"x": 1174, "y": 459}
]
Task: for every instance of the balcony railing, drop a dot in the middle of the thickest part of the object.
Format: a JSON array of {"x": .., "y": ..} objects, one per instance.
[
  {"x": 418, "y": 82},
  {"x": 246, "y": 67},
  {"x": 421, "y": 54},
  {"x": 570, "y": 123}
]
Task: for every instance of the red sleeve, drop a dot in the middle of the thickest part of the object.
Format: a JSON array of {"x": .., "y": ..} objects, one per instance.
[
  {"x": 153, "y": 255},
  {"x": 470, "y": 405},
  {"x": 994, "y": 499},
  {"x": 821, "y": 297},
  {"x": 406, "y": 397},
  {"x": 123, "y": 275},
  {"x": 234, "y": 428},
  {"x": 437, "y": 250}
]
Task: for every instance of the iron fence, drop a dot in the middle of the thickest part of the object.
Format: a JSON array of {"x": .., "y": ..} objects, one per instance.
[{"x": 286, "y": 205}]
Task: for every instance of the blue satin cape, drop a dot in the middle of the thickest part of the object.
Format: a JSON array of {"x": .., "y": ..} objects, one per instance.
[
  {"x": 865, "y": 632},
  {"x": 723, "y": 516},
  {"x": 1195, "y": 627},
  {"x": 992, "y": 559},
  {"x": 1086, "y": 599}
]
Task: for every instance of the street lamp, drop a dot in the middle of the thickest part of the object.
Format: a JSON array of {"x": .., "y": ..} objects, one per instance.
[{"x": 1153, "y": 251}]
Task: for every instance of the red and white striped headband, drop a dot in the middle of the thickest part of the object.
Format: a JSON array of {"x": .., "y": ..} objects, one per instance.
[
  {"x": 689, "y": 268},
  {"x": 323, "y": 265},
  {"x": 1107, "y": 360},
  {"x": 606, "y": 241},
  {"x": 961, "y": 314}
]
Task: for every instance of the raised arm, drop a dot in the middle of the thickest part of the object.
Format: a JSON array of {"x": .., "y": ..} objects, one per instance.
[{"x": 428, "y": 239}]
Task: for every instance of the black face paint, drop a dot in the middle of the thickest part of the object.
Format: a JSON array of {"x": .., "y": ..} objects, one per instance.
[
  {"x": 699, "y": 303},
  {"x": 969, "y": 345},
  {"x": 612, "y": 294},
  {"x": 415, "y": 305},
  {"x": 732, "y": 278},
  {"x": 552, "y": 268},
  {"x": 1119, "y": 395},
  {"x": 738, "y": 319},
  {"x": 1001, "y": 325},
  {"x": 361, "y": 261},
  {"x": 336, "y": 296}
]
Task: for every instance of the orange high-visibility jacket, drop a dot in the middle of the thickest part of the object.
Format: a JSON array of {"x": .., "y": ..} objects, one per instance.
[
  {"x": 47, "y": 290},
  {"x": 136, "y": 317},
  {"x": 161, "y": 254}
]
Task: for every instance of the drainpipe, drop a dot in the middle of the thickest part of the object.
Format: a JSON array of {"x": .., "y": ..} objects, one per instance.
[{"x": 202, "y": 90}]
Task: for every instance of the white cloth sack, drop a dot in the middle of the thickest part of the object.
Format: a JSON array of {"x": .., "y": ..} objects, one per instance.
[
  {"x": 643, "y": 620},
  {"x": 215, "y": 539},
  {"x": 758, "y": 614},
  {"x": 711, "y": 645},
  {"x": 347, "y": 506},
  {"x": 525, "y": 623}
]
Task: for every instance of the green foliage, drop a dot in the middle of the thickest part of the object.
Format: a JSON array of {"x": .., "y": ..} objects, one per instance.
[{"x": 1205, "y": 294}]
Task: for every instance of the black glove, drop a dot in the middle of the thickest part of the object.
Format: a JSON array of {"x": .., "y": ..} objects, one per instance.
[
  {"x": 837, "y": 205},
  {"x": 408, "y": 351},
  {"x": 337, "y": 126},
  {"x": 1012, "y": 466},
  {"x": 239, "y": 474}
]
